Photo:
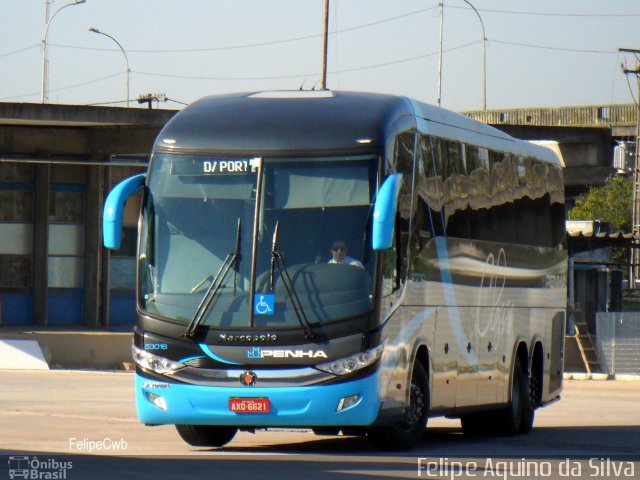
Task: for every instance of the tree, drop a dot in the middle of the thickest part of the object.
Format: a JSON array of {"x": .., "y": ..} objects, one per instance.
[{"x": 610, "y": 203}]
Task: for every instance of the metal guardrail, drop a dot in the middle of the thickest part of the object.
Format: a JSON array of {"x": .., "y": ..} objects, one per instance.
[
  {"x": 618, "y": 342},
  {"x": 584, "y": 116}
]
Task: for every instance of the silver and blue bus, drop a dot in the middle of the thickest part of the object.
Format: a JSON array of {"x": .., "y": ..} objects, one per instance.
[{"x": 451, "y": 300}]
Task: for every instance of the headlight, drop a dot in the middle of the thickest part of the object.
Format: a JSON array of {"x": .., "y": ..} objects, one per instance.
[
  {"x": 352, "y": 363},
  {"x": 152, "y": 362}
]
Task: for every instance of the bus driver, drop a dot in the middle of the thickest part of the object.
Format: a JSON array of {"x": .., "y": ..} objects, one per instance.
[{"x": 339, "y": 254}]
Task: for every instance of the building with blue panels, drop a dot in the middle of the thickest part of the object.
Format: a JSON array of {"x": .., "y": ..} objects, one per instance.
[{"x": 57, "y": 163}]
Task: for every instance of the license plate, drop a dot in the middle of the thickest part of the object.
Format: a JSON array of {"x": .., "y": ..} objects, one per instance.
[{"x": 249, "y": 405}]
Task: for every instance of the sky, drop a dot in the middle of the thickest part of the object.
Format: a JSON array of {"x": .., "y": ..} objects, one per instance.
[{"x": 539, "y": 53}]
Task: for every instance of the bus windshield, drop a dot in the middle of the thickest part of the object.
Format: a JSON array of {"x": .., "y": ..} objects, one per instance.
[{"x": 199, "y": 211}]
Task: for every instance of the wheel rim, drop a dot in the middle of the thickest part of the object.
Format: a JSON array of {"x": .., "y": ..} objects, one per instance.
[
  {"x": 416, "y": 409},
  {"x": 534, "y": 385}
]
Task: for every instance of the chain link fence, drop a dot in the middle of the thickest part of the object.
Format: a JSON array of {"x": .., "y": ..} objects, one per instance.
[{"x": 618, "y": 342}]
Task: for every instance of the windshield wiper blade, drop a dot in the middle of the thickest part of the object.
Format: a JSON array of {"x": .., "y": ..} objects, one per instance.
[
  {"x": 237, "y": 258},
  {"x": 278, "y": 260},
  {"x": 216, "y": 284},
  {"x": 274, "y": 249}
]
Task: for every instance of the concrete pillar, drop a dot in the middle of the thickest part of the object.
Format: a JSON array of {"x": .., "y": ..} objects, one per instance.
[
  {"x": 41, "y": 244},
  {"x": 105, "y": 254},
  {"x": 93, "y": 247}
]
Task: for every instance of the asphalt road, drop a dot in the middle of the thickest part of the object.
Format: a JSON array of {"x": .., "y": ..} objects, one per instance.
[{"x": 77, "y": 425}]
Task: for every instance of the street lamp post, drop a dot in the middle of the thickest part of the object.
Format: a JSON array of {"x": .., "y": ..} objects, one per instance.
[
  {"x": 45, "y": 61},
  {"x": 484, "y": 58},
  {"x": 484, "y": 55},
  {"x": 325, "y": 44},
  {"x": 441, "y": 5},
  {"x": 126, "y": 59},
  {"x": 634, "y": 259}
]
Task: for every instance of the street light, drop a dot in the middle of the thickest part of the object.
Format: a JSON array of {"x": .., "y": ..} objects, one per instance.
[
  {"x": 45, "y": 62},
  {"x": 325, "y": 45},
  {"x": 484, "y": 58},
  {"x": 484, "y": 55},
  {"x": 95, "y": 30}
]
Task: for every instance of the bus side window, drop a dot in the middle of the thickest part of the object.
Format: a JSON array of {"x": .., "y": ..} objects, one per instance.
[
  {"x": 405, "y": 154},
  {"x": 395, "y": 260},
  {"x": 432, "y": 193},
  {"x": 422, "y": 221},
  {"x": 390, "y": 269}
]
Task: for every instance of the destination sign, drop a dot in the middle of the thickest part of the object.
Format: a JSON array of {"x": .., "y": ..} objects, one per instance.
[{"x": 216, "y": 166}]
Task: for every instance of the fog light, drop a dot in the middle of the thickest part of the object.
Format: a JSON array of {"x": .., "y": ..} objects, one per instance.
[
  {"x": 157, "y": 400},
  {"x": 347, "y": 402}
]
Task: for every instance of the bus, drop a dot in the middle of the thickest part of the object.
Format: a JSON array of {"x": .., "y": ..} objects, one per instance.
[{"x": 344, "y": 262}]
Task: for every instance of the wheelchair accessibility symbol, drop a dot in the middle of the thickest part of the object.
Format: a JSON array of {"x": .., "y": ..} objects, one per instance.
[{"x": 263, "y": 304}]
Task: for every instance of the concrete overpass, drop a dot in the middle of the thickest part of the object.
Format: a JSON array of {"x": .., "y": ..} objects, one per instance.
[{"x": 619, "y": 118}]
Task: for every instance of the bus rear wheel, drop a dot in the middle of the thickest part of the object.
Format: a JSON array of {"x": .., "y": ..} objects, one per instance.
[
  {"x": 528, "y": 415},
  {"x": 206, "y": 435},
  {"x": 510, "y": 419},
  {"x": 406, "y": 434}
]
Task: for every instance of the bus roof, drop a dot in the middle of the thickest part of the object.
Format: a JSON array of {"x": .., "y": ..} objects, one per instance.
[
  {"x": 453, "y": 126},
  {"x": 273, "y": 123},
  {"x": 317, "y": 122}
]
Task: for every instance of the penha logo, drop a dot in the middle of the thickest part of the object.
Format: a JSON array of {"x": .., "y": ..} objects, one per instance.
[{"x": 257, "y": 352}]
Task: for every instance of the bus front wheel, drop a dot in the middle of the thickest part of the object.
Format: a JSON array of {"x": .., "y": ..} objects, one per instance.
[
  {"x": 206, "y": 435},
  {"x": 406, "y": 434}
]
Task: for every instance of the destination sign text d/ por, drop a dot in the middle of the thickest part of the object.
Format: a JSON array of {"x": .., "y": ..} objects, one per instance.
[{"x": 230, "y": 166}]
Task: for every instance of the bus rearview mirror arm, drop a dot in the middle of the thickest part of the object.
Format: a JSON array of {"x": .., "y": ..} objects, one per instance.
[
  {"x": 384, "y": 212},
  {"x": 114, "y": 208}
]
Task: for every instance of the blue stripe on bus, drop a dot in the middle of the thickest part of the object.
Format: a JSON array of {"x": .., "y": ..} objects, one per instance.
[
  {"x": 205, "y": 348},
  {"x": 197, "y": 357}
]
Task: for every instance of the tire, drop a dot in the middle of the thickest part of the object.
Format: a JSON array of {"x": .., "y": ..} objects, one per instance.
[
  {"x": 530, "y": 407},
  {"x": 206, "y": 435},
  {"x": 510, "y": 419},
  {"x": 406, "y": 434}
]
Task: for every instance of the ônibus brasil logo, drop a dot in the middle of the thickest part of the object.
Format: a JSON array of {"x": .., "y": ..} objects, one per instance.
[
  {"x": 32, "y": 467},
  {"x": 257, "y": 352}
]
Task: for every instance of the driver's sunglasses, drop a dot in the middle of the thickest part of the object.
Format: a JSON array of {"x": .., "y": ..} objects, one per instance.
[{"x": 339, "y": 247}]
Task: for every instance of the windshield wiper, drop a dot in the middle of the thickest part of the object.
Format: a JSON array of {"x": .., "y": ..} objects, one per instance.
[
  {"x": 231, "y": 260},
  {"x": 278, "y": 260}
]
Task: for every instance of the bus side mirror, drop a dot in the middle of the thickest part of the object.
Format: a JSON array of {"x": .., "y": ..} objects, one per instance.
[
  {"x": 114, "y": 207},
  {"x": 384, "y": 212}
]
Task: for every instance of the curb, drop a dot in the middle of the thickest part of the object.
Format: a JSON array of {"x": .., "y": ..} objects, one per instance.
[{"x": 601, "y": 376}]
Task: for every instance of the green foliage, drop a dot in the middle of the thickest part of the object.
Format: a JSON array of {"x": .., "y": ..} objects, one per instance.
[{"x": 610, "y": 203}]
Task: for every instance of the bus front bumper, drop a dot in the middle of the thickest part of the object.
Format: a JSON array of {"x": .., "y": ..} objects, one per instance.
[{"x": 161, "y": 403}]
